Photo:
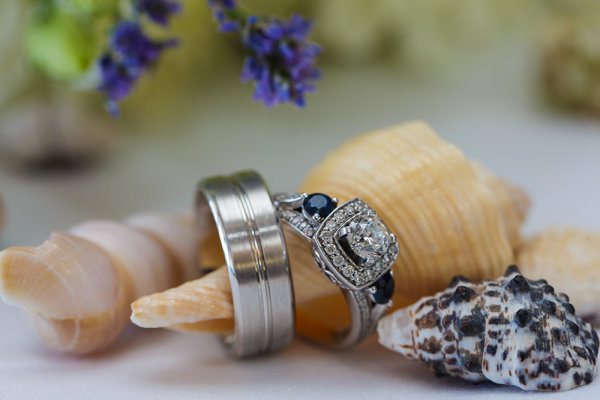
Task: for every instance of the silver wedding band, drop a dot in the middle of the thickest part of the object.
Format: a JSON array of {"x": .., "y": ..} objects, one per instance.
[{"x": 240, "y": 209}]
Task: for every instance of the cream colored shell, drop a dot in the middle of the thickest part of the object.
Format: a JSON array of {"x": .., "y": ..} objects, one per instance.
[
  {"x": 178, "y": 307},
  {"x": 78, "y": 285},
  {"x": 450, "y": 215},
  {"x": 570, "y": 259}
]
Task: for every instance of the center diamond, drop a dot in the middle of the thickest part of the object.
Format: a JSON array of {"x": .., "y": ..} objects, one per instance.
[{"x": 367, "y": 238}]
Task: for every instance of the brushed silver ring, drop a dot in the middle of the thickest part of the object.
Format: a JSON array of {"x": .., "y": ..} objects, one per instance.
[
  {"x": 353, "y": 248},
  {"x": 240, "y": 209}
]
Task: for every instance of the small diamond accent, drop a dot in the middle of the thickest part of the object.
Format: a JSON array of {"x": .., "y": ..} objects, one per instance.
[
  {"x": 338, "y": 260},
  {"x": 330, "y": 249},
  {"x": 331, "y": 224},
  {"x": 347, "y": 270},
  {"x": 298, "y": 221},
  {"x": 327, "y": 238},
  {"x": 287, "y": 197}
]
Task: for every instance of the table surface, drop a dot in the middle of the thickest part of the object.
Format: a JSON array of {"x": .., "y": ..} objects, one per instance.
[{"x": 490, "y": 109}]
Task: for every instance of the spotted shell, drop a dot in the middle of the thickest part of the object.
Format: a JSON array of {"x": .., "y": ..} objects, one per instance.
[{"x": 511, "y": 331}]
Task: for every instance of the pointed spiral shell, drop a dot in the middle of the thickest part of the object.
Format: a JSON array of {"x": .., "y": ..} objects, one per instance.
[{"x": 78, "y": 285}]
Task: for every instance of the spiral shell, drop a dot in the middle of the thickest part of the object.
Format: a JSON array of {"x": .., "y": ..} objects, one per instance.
[
  {"x": 189, "y": 307},
  {"x": 450, "y": 215},
  {"x": 78, "y": 285},
  {"x": 512, "y": 331},
  {"x": 571, "y": 258}
]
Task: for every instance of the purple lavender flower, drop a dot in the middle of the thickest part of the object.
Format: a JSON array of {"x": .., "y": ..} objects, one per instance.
[
  {"x": 130, "y": 53},
  {"x": 133, "y": 48},
  {"x": 224, "y": 12},
  {"x": 281, "y": 61},
  {"x": 116, "y": 81},
  {"x": 158, "y": 11}
]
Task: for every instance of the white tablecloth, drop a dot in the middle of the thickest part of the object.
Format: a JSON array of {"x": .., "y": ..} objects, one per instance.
[{"x": 490, "y": 109}]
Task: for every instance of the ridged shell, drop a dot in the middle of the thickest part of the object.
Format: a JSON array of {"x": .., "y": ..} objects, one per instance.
[
  {"x": 77, "y": 286},
  {"x": 180, "y": 308},
  {"x": 570, "y": 258},
  {"x": 447, "y": 219},
  {"x": 72, "y": 289},
  {"x": 512, "y": 331},
  {"x": 450, "y": 215}
]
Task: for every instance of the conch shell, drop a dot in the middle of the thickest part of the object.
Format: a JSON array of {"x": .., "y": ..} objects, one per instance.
[
  {"x": 511, "y": 331},
  {"x": 78, "y": 285},
  {"x": 450, "y": 216},
  {"x": 570, "y": 258}
]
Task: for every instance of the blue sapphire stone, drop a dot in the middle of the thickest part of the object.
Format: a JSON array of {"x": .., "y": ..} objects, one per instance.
[
  {"x": 318, "y": 203},
  {"x": 384, "y": 288}
]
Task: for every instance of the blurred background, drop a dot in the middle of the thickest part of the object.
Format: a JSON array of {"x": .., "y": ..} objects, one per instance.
[{"x": 515, "y": 84}]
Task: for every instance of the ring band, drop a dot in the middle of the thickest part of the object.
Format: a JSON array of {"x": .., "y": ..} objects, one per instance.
[
  {"x": 240, "y": 208},
  {"x": 353, "y": 247}
]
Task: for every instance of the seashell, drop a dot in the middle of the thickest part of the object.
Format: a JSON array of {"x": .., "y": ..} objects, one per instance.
[
  {"x": 62, "y": 131},
  {"x": 449, "y": 215},
  {"x": 78, "y": 285},
  {"x": 180, "y": 308},
  {"x": 570, "y": 258},
  {"x": 512, "y": 331}
]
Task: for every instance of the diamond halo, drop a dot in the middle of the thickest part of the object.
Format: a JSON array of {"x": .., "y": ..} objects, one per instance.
[{"x": 362, "y": 249}]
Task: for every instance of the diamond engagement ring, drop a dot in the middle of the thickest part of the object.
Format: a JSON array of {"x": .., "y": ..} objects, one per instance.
[{"x": 353, "y": 247}]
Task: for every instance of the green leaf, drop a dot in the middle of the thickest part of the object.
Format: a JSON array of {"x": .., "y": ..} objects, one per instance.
[
  {"x": 87, "y": 7},
  {"x": 60, "y": 45}
]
